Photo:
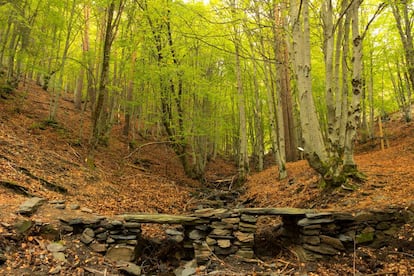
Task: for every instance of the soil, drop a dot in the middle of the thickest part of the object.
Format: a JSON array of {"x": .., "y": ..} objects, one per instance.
[{"x": 51, "y": 160}]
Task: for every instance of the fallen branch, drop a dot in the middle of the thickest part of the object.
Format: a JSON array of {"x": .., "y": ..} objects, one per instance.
[
  {"x": 16, "y": 188},
  {"x": 144, "y": 145},
  {"x": 48, "y": 185}
]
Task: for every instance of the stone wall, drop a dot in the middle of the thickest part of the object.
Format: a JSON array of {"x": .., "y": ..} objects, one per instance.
[{"x": 223, "y": 232}]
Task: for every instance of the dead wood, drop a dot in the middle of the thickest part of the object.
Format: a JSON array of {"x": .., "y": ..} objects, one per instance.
[
  {"x": 48, "y": 185},
  {"x": 16, "y": 188}
]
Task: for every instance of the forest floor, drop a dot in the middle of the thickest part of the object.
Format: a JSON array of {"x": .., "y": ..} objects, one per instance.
[{"x": 146, "y": 176}]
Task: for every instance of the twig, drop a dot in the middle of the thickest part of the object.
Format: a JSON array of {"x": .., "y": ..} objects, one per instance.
[
  {"x": 144, "y": 145},
  {"x": 382, "y": 273},
  {"x": 401, "y": 253}
]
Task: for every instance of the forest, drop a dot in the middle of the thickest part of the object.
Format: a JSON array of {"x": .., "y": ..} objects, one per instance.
[{"x": 170, "y": 103}]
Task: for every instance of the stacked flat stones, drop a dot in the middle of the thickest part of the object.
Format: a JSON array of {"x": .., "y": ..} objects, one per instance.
[
  {"x": 101, "y": 233},
  {"x": 224, "y": 232}
]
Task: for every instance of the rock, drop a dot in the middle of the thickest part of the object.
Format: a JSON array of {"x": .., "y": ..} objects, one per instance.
[
  {"x": 248, "y": 218},
  {"x": 210, "y": 212},
  {"x": 224, "y": 243},
  {"x": 335, "y": 243},
  {"x": 318, "y": 215},
  {"x": 244, "y": 237},
  {"x": 129, "y": 225},
  {"x": 55, "y": 247},
  {"x": 173, "y": 232},
  {"x": 86, "y": 210},
  {"x": 225, "y": 251},
  {"x": 221, "y": 225},
  {"x": 23, "y": 226},
  {"x": 307, "y": 221},
  {"x": 74, "y": 206},
  {"x": 58, "y": 201},
  {"x": 30, "y": 206},
  {"x": 231, "y": 220},
  {"x": 391, "y": 231},
  {"x": 121, "y": 253},
  {"x": 85, "y": 238},
  {"x": 313, "y": 240},
  {"x": 48, "y": 232},
  {"x": 66, "y": 228},
  {"x": 364, "y": 217},
  {"x": 60, "y": 206},
  {"x": 248, "y": 254},
  {"x": 346, "y": 237},
  {"x": 220, "y": 232},
  {"x": 59, "y": 256},
  {"x": 123, "y": 237},
  {"x": 102, "y": 236},
  {"x": 364, "y": 237},
  {"x": 189, "y": 268},
  {"x": 129, "y": 268},
  {"x": 98, "y": 247},
  {"x": 211, "y": 241},
  {"x": 89, "y": 232},
  {"x": 383, "y": 225},
  {"x": 55, "y": 270},
  {"x": 323, "y": 249},
  {"x": 116, "y": 223},
  {"x": 196, "y": 235}
]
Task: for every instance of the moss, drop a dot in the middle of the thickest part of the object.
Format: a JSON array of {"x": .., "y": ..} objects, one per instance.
[{"x": 364, "y": 237}]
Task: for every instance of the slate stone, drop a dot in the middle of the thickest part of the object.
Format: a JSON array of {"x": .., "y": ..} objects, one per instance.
[
  {"x": 176, "y": 238},
  {"x": 86, "y": 239},
  {"x": 60, "y": 206},
  {"x": 383, "y": 225},
  {"x": 173, "y": 232},
  {"x": 23, "y": 226},
  {"x": 62, "y": 201},
  {"x": 244, "y": 237},
  {"x": 129, "y": 268},
  {"x": 225, "y": 251},
  {"x": 59, "y": 256},
  {"x": 364, "y": 216},
  {"x": 311, "y": 232},
  {"x": 132, "y": 225},
  {"x": 74, "y": 206},
  {"x": 247, "y": 254},
  {"x": 211, "y": 241},
  {"x": 223, "y": 243},
  {"x": 318, "y": 215},
  {"x": 124, "y": 238},
  {"x": 221, "y": 232},
  {"x": 89, "y": 232},
  {"x": 120, "y": 253},
  {"x": 86, "y": 210},
  {"x": 66, "y": 229},
  {"x": 221, "y": 225},
  {"x": 391, "y": 231},
  {"x": 98, "y": 247},
  {"x": 307, "y": 221},
  {"x": 313, "y": 240},
  {"x": 231, "y": 220},
  {"x": 203, "y": 227},
  {"x": 30, "y": 206},
  {"x": 196, "y": 235},
  {"x": 334, "y": 242},
  {"x": 322, "y": 249},
  {"x": 188, "y": 269},
  {"x": 55, "y": 247},
  {"x": 248, "y": 218},
  {"x": 346, "y": 238}
]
